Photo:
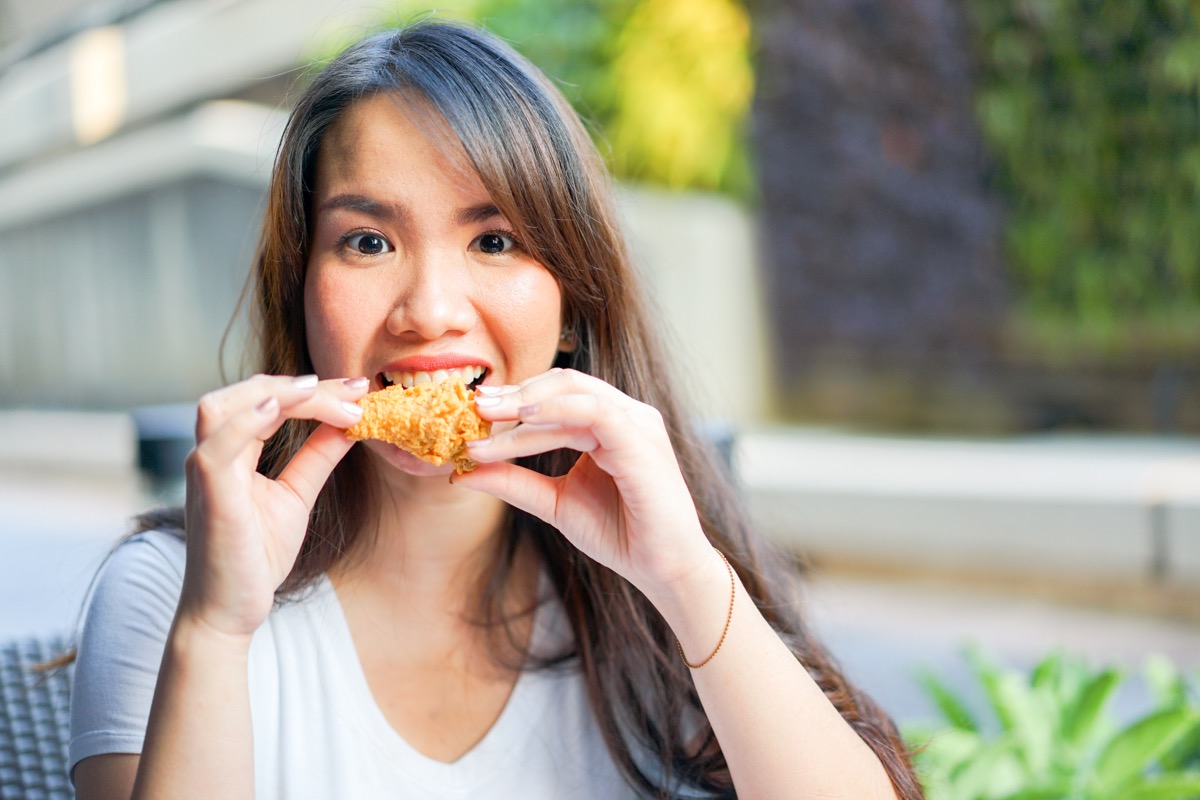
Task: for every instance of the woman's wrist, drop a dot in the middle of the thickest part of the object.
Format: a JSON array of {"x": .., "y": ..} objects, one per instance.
[
  {"x": 191, "y": 634},
  {"x": 697, "y": 605}
]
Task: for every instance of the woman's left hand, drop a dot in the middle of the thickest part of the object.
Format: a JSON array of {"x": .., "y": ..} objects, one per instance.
[{"x": 624, "y": 503}]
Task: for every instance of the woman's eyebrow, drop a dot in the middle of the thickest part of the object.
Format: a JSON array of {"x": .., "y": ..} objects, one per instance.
[
  {"x": 380, "y": 210},
  {"x": 476, "y": 214},
  {"x": 364, "y": 205}
]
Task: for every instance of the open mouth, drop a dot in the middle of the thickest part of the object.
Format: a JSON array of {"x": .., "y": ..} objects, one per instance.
[{"x": 471, "y": 375}]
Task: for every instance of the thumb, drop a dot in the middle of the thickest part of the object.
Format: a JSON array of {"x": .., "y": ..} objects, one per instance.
[
  {"x": 310, "y": 468},
  {"x": 520, "y": 487}
]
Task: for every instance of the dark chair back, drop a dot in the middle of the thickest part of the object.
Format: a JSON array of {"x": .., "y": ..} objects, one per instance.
[{"x": 34, "y": 721}]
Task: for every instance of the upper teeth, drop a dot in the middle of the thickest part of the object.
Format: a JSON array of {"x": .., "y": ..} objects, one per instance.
[{"x": 411, "y": 379}]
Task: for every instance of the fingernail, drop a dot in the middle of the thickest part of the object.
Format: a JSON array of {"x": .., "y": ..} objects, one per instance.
[
  {"x": 305, "y": 381},
  {"x": 488, "y": 401},
  {"x": 268, "y": 407},
  {"x": 497, "y": 390},
  {"x": 353, "y": 408},
  {"x": 357, "y": 383},
  {"x": 489, "y": 389},
  {"x": 479, "y": 442},
  {"x": 529, "y": 410}
]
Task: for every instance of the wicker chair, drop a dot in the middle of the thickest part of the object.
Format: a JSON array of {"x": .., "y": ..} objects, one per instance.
[{"x": 34, "y": 721}]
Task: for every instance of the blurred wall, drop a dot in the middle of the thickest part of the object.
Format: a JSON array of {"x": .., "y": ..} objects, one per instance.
[
  {"x": 699, "y": 252},
  {"x": 125, "y": 302}
]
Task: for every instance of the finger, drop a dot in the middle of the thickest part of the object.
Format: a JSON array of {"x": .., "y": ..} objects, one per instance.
[
  {"x": 564, "y": 381},
  {"x": 342, "y": 388},
  {"x": 613, "y": 427},
  {"x": 240, "y": 431},
  {"x": 520, "y": 487},
  {"x": 502, "y": 402},
  {"x": 622, "y": 443},
  {"x": 310, "y": 468},
  {"x": 510, "y": 388},
  {"x": 528, "y": 440},
  {"x": 218, "y": 406},
  {"x": 321, "y": 401},
  {"x": 332, "y": 403}
]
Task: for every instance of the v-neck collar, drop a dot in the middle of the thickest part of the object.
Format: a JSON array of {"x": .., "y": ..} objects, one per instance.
[{"x": 490, "y": 753}]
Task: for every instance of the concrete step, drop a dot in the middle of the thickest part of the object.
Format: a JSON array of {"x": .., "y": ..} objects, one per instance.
[{"x": 1102, "y": 507}]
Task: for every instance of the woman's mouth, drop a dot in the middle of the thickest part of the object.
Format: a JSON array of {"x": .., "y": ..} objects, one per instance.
[{"x": 471, "y": 375}]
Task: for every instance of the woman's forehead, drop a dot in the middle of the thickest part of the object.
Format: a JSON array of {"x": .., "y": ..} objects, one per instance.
[{"x": 384, "y": 133}]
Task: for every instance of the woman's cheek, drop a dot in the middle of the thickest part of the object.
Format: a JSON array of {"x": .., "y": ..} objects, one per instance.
[
  {"x": 331, "y": 315},
  {"x": 530, "y": 305}
]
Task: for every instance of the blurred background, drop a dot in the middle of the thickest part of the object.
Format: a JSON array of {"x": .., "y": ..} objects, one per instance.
[{"x": 932, "y": 267}]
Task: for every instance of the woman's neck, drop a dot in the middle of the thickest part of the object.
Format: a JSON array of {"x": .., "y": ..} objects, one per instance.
[{"x": 430, "y": 552}]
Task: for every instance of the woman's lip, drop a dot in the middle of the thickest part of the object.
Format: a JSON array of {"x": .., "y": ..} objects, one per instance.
[{"x": 433, "y": 363}]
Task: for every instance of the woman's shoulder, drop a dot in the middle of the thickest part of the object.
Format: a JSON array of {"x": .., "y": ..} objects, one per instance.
[
  {"x": 152, "y": 552},
  {"x": 142, "y": 576},
  {"x": 169, "y": 544}
]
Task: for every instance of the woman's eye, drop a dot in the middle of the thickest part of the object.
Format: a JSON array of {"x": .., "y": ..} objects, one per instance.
[
  {"x": 494, "y": 243},
  {"x": 367, "y": 244}
]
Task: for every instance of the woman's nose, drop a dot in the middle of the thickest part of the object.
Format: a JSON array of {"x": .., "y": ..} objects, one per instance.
[{"x": 433, "y": 299}]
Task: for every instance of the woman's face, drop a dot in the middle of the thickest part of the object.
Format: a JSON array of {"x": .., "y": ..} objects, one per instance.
[{"x": 413, "y": 273}]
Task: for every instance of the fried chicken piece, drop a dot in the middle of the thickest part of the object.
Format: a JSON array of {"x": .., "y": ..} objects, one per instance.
[{"x": 433, "y": 421}]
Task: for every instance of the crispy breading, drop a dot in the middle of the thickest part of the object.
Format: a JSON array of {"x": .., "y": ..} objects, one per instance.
[{"x": 433, "y": 421}]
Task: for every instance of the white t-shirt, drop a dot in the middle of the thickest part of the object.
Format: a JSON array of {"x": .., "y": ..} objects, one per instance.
[{"x": 318, "y": 732}]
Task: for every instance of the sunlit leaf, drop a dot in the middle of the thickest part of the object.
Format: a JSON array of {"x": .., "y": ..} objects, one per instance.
[
  {"x": 990, "y": 675},
  {"x": 1080, "y": 724},
  {"x": 1137, "y": 747},
  {"x": 1165, "y": 681},
  {"x": 993, "y": 771},
  {"x": 950, "y": 705},
  {"x": 949, "y": 748},
  {"x": 1051, "y": 793},
  {"x": 684, "y": 81},
  {"x": 1031, "y": 721},
  {"x": 1165, "y": 787}
]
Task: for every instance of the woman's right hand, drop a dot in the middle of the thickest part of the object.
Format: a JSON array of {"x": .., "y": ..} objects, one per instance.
[{"x": 244, "y": 529}]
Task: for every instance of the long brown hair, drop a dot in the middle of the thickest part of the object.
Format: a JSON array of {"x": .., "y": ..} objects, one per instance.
[{"x": 542, "y": 171}]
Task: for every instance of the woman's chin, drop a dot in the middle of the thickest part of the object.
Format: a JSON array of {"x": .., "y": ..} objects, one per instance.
[{"x": 407, "y": 463}]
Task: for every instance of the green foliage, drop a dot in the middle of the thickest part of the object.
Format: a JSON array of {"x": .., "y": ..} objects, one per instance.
[
  {"x": 665, "y": 85},
  {"x": 573, "y": 42},
  {"x": 1055, "y": 741},
  {"x": 1092, "y": 111},
  {"x": 683, "y": 84}
]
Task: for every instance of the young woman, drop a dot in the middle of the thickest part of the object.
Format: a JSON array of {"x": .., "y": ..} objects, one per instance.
[{"x": 586, "y": 615}]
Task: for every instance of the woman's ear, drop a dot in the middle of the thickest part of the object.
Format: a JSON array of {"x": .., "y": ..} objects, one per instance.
[{"x": 568, "y": 340}]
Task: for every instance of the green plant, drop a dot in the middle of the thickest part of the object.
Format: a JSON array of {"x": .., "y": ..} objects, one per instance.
[
  {"x": 1091, "y": 110},
  {"x": 666, "y": 84},
  {"x": 1054, "y": 739}
]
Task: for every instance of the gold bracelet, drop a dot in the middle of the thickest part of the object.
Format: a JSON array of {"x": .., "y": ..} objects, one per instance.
[{"x": 728, "y": 618}]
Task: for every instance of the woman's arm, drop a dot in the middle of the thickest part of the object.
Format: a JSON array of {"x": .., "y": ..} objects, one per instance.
[
  {"x": 244, "y": 531},
  {"x": 779, "y": 733},
  {"x": 106, "y": 776},
  {"x": 120, "y": 648},
  {"x": 200, "y": 706},
  {"x": 626, "y": 505},
  {"x": 199, "y": 741}
]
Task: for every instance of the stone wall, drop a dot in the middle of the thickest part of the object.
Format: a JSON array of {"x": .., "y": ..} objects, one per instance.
[
  {"x": 880, "y": 241},
  {"x": 124, "y": 303}
]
